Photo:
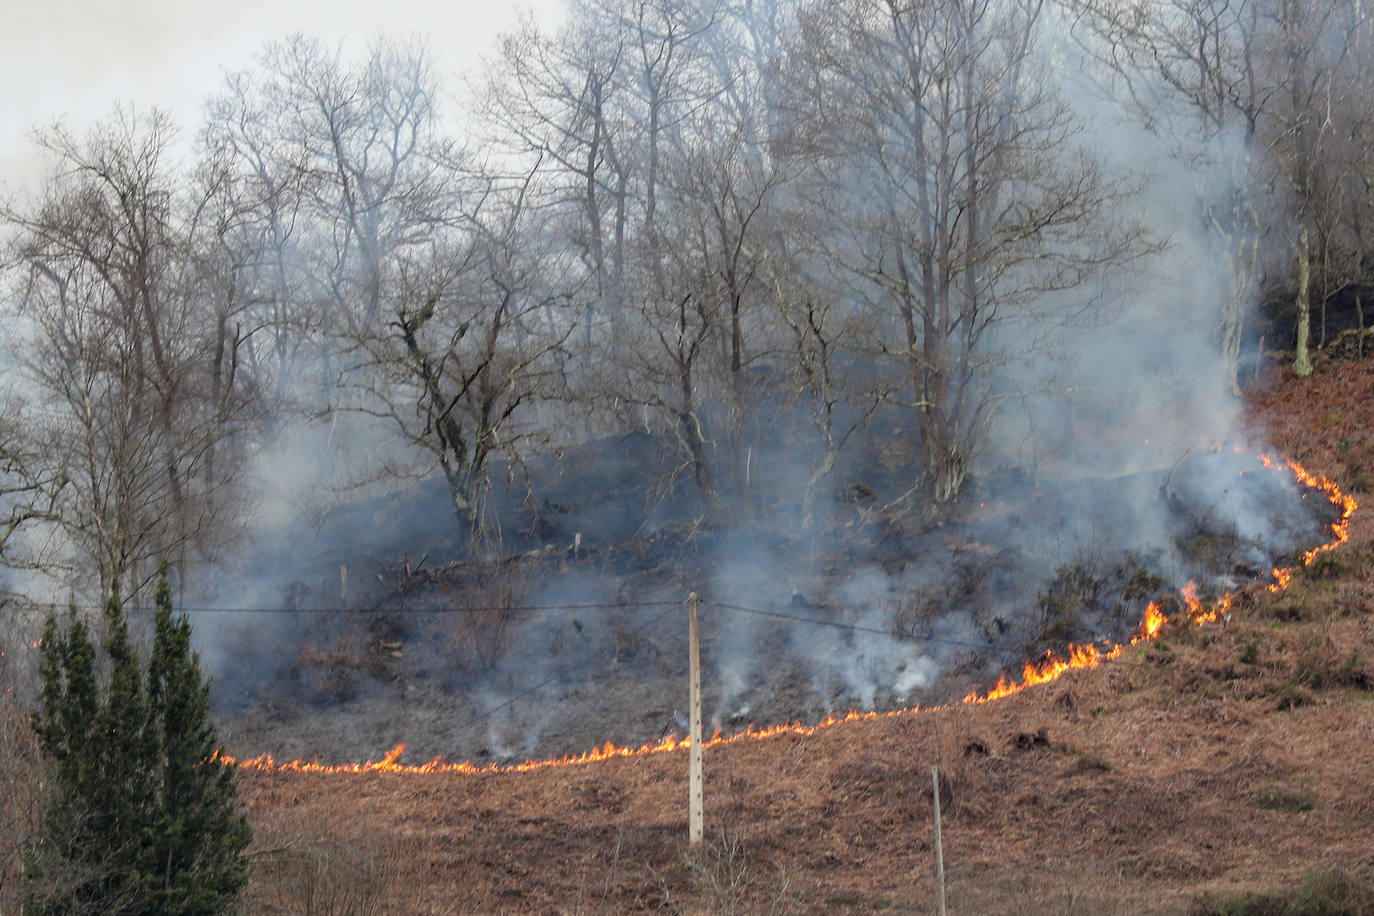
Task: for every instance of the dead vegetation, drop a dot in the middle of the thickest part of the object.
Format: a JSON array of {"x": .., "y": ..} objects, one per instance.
[
  {"x": 22, "y": 769},
  {"x": 298, "y": 871}
]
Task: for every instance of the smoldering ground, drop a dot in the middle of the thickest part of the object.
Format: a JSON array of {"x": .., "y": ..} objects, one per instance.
[{"x": 578, "y": 636}]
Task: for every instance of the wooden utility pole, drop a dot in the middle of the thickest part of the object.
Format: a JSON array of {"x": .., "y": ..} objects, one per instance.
[
  {"x": 939, "y": 848},
  {"x": 695, "y": 813}
]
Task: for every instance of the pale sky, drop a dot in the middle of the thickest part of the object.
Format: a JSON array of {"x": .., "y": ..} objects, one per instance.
[{"x": 75, "y": 59}]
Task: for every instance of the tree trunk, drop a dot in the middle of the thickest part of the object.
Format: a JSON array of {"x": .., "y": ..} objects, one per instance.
[
  {"x": 812, "y": 488},
  {"x": 1232, "y": 325},
  {"x": 1359, "y": 313},
  {"x": 1302, "y": 361},
  {"x": 946, "y": 465}
]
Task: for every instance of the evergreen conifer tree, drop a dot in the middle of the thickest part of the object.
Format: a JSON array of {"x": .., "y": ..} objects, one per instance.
[
  {"x": 142, "y": 817},
  {"x": 199, "y": 836}
]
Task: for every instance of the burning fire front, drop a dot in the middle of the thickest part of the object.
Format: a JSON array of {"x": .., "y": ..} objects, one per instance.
[{"x": 1048, "y": 668}]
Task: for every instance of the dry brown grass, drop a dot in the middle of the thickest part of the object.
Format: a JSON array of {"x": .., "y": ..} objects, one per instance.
[
  {"x": 299, "y": 870},
  {"x": 21, "y": 768}
]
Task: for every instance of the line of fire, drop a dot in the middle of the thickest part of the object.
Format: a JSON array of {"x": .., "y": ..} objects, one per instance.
[{"x": 1050, "y": 667}]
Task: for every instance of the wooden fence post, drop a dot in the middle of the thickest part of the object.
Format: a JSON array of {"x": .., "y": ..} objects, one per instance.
[
  {"x": 939, "y": 848},
  {"x": 695, "y": 812}
]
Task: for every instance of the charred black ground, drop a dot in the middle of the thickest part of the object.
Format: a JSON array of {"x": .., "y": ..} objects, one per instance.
[{"x": 575, "y": 634}]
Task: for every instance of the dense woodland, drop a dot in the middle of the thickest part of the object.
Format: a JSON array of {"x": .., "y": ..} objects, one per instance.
[{"x": 721, "y": 224}]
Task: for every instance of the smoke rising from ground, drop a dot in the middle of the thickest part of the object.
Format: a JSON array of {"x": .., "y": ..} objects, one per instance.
[{"x": 518, "y": 425}]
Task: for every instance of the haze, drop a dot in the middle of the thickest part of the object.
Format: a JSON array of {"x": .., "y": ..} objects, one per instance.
[{"x": 73, "y": 60}]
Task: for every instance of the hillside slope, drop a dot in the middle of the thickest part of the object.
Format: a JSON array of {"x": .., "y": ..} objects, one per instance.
[{"x": 1210, "y": 762}]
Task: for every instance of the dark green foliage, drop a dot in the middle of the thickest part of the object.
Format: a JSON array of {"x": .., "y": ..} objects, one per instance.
[
  {"x": 1278, "y": 798},
  {"x": 1083, "y": 600},
  {"x": 1325, "y": 566},
  {"x": 1325, "y": 893},
  {"x": 1072, "y": 593},
  {"x": 1143, "y": 584},
  {"x": 200, "y": 835},
  {"x": 1289, "y": 695},
  {"x": 1351, "y": 672},
  {"x": 96, "y": 825},
  {"x": 142, "y": 817}
]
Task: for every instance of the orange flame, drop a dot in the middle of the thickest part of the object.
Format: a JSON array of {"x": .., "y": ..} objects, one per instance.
[
  {"x": 1281, "y": 579},
  {"x": 1053, "y": 666},
  {"x": 608, "y": 751},
  {"x": 1149, "y": 627},
  {"x": 1050, "y": 667}
]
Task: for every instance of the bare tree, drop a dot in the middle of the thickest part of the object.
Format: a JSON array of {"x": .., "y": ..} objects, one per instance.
[
  {"x": 660, "y": 127},
  {"x": 965, "y": 202},
  {"x": 29, "y": 489},
  {"x": 566, "y": 99},
  {"x": 1347, "y": 229},
  {"x": 420, "y": 281},
  {"x": 1272, "y": 86},
  {"x": 598, "y": 103},
  {"x": 257, "y": 239},
  {"x": 840, "y": 397},
  {"x": 123, "y": 418},
  {"x": 474, "y": 328},
  {"x": 22, "y": 768}
]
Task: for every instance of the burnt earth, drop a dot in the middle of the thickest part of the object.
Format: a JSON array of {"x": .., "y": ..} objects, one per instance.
[{"x": 555, "y": 650}]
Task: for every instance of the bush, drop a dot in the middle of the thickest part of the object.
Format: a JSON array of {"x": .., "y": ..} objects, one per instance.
[
  {"x": 1325, "y": 893},
  {"x": 323, "y": 877}
]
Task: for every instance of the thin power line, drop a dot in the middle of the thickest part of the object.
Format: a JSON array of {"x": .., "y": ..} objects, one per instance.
[
  {"x": 855, "y": 627},
  {"x": 442, "y": 609},
  {"x": 551, "y": 678},
  {"x": 538, "y": 608},
  {"x": 949, "y": 642}
]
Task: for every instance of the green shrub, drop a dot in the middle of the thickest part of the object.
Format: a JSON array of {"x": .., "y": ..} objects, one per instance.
[
  {"x": 1277, "y": 798},
  {"x": 1334, "y": 892}
]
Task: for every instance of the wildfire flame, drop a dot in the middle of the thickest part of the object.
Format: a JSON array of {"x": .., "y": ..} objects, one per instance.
[
  {"x": 1051, "y": 667},
  {"x": 608, "y": 751}
]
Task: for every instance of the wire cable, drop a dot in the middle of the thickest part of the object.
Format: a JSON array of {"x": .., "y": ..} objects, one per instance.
[
  {"x": 442, "y": 609},
  {"x": 483, "y": 716},
  {"x": 838, "y": 625}
]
